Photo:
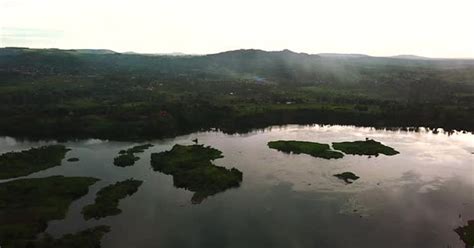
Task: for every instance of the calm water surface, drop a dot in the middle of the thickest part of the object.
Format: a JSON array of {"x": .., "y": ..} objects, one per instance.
[{"x": 414, "y": 199}]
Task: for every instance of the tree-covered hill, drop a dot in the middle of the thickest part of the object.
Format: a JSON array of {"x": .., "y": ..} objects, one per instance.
[{"x": 101, "y": 93}]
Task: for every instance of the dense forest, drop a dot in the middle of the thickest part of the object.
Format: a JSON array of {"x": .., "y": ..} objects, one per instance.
[{"x": 51, "y": 93}]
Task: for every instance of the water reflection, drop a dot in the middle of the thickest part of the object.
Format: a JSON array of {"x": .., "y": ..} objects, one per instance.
[{"x": 414, "y": 199}]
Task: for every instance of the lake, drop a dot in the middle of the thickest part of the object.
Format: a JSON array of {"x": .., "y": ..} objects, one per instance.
[{"x": 413, "y": 199}]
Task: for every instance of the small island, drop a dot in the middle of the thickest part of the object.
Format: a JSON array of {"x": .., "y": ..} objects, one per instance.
[
  {"x": 138, "y": 148},
  {"x": 127, "y": 157},
  {"x": 40, "y": 200},
  {"x": 192, "y": 169},
  {"x": 466, "y": 233},
  {"x": 107, "y": 200},
  {"x": 365, "y": 147},
  {"x": 124, "y": 160},
  {"x": 311, "y": 148},
  {"x": 73, "y": 159},
  {"x": 348, "y": 177},
  {"x": 23, "y": 163}
]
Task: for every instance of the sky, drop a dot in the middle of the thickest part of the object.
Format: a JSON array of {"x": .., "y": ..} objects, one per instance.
[{"x": 431, "y": 28}]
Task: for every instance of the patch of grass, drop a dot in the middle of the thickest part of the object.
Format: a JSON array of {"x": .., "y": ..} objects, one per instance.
[
  {"x": 139, "y": 148},
  {"x": 127, "y": 157},
  {"x": 466, "y": 233},
  {"x": 367, "y": 147},
  {"x": 348, "y": 177},
  {"x": 23, "y": 163},
  {"x": 89, "y": 238},
  {"x": 107, "y": 200},
  {"x": 192, "y": 169},
  {"x": 311, "y": 148},
  {"x": 26, "y": 205},
  {"x": 73, "y": 159}
]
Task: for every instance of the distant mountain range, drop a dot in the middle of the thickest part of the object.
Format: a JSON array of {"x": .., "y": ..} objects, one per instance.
[
  {"x": 94, "y": 51},
  {"x": 250, "y": 65},
  {"x": 408, "y": 56},
  {"x": 343, "y": 55},
  {"x": 245, "y": 51},
  {"x": 161, "y": 54}
]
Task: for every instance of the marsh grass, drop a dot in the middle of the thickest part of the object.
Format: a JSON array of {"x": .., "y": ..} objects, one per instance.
[
  {"x": 26, "y": 205},
  {"x": 107, "y": 200},
  {"x": 311, "y": 148},
  {"x": 127, "y": 157},
  {"x": 23, "y": 163},
  {"x": 466, "y": 233},
  {"x": 192, "y": 169},
  {"x": 89, "y": 238},
  {"x": 368, "y": 147}
]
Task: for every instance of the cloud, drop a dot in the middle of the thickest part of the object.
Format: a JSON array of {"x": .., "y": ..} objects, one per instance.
[{"x": 11, "y": 36}]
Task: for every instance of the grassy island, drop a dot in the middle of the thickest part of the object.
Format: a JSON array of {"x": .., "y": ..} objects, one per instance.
[
  {"x": 348, "y": 177},
  {"x": 89, "y": 238},
  {"x": 367, "y": 147},
  {"x": 127, "y": 157},
  {"x": 311, "y": 148},
  {"x": 23, "y": 163},
  {"x": 192, "y": 169},
  {"x": 138, "y": 149},
  {"x": 466, "y": 233},
  {"x": 124, "y": 160},
  {"x": 107, "y": 200},
  {"x": 26, "y": 205}
]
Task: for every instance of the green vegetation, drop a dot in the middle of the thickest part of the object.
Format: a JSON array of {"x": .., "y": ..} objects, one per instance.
[
  {"x": 124, "y": 160},
  {"x": 192, "y": 169},
  {"x": 127, "y": 157},
  {"x": 348, "y": 177},
  {"x": 65, "y": 93},
  {"x": 367, "y": 147},
  {"x": 139, "y": 148},
  {"x": 73, "y": 159},
  {"x": 311, "y": 148},
  {"x": 466, "y": 233},
  {"x": 107, "y": 200},
  {"x": 89, "y": 238},
  {"x": 23, "y": 163},
  {"x": 26, "y": 205}
]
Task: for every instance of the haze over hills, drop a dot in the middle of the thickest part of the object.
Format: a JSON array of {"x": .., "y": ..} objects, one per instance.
[
  {"x": 342, "y": 55},
  {"x": 94, "y": 51},
  {"x": 100, "y": 93},
  {"x": 180, "y": 123},
  {"x": 408, "y": 56},
  {"x": 284, "y": 67},
  {"x": 285, "y": 51}
]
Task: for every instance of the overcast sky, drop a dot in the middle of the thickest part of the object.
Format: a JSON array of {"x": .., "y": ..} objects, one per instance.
[{"x": 433, "y": 28}]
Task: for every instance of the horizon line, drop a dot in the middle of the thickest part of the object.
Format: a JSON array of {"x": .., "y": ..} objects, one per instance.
[{"x": 397, "y": 56}]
